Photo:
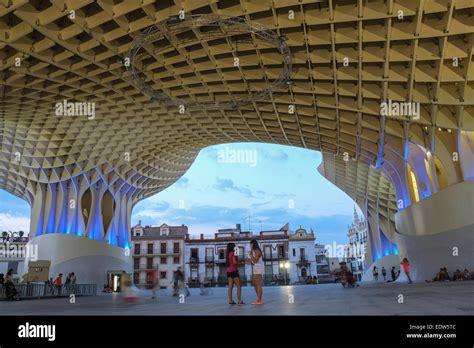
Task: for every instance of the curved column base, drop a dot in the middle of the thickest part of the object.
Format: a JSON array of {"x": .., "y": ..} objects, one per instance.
[
  {"x": 438, "y": 232},
  {"x": 427, "y": 254},
  {"x": 89, "y": 259},
  {"x": 388, "y": 262}
]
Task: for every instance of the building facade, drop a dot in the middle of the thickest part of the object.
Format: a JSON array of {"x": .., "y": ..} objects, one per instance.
[
  {"x": 205, "y": 257},
  {"x": 322, "y": 267},
  {"x": 13, "y": 250},
  {"x": 288, "y": 256},
  {"x": 157, "y": 250},
  {"x": 355, "y": 252},
  {"x": 302, "y": 255}
]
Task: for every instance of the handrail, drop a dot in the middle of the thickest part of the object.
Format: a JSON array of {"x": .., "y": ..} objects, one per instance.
[{"x": 41, "y": 290}]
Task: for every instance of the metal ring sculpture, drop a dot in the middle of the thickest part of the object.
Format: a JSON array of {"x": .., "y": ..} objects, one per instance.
[{"x": 224, "y": 25}]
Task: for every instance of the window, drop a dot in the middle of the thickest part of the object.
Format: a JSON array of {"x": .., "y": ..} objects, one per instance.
[
  {"x": 176, "y": 259},
  {"x": 209, "y": 255},
  {"x": 149, "y": 262},
  {"x": 176, "y": 248},
  {"x": 302, "y": 254},
  {"x": 267, "y": 252},
  {"x": 241, "y": 253},
  {"x": 137, "y": 232},
  {"x": 281, "y": 251},
  {"x": 268, "y": 270},
  {"x": 163, "y": 275},
  {"x": 163, "y": 260},
  {"x": 150, "y": 248},
  {"x": 194, "y": 255},
  {"x": 210, "y": 272},
  {"x": 136, "y": 263},
  {"x": 149, "y": 277},
  {"x": 163, "y": 248},
  {"x": 137, "y": 249},
  {"x": 194, "y": 273},
  {"x": 136, "y": 278},
  {"x": 294, "y": 252},
  {"x": 221, "y": 254}
]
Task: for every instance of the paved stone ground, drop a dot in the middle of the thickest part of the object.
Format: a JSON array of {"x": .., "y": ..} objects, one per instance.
[{"x": 450, "y": 298}]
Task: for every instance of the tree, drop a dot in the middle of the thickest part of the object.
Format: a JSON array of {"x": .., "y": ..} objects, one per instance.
[
  {"x": 5, "y": 235},
  {"x": 21, "y": 234}
]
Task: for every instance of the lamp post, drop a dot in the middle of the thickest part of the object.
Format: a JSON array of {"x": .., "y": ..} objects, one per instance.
[{"x": 285, "y": 266}]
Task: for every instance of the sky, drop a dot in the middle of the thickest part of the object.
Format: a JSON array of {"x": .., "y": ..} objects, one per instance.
[{"x": 273, "y": 184}]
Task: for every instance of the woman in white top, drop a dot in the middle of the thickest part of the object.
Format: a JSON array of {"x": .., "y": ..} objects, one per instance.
[{"x": 257, "y": 270}]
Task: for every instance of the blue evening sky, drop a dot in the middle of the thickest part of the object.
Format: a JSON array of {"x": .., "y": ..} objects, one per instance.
[{"x": 278, "y": 184}]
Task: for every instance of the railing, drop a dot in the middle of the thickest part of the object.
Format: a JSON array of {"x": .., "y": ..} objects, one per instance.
[
  {"x": 158, "y": 252},
  {"x": 194, "y": 259},
  {"x": 10, "y": 239},
  {"x": 209, "y": 258},
  {"x": 303, "y": 259},
  {"x": 38, "y": 290},
  {"x": 274, "y": 257}
]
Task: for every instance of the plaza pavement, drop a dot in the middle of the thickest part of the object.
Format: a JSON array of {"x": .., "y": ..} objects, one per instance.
[{"x": 449, "y": 298}]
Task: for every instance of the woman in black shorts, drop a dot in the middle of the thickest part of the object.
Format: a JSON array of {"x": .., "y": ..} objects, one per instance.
[{"x": 233, "y": 274}]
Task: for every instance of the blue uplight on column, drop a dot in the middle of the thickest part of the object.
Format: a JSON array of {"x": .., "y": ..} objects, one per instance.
[{"x": 394, "y": 249}]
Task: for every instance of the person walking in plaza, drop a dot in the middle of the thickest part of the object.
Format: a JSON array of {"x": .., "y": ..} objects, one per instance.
[
  {"x": 10, "y": 289},
  {"x": 233, "y": 275},
  {"x": 384, "y": 274},
  {"x": 393, "y": 273},
  {"x": 155, "y": 285},
  {"x": 178, "y": 282},
  {"x": 58, "y": 283},
  {"x": 406, "y": 268},
  {"x": 68, "y": 279},
  {"x": 73, "y": 278},
  {"x": 256, "y": 258},
  {"x": 375, "y": 273}
]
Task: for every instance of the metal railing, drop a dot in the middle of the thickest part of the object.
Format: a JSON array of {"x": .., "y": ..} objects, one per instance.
[
  {"x": 146, "y": 252},
  {"x": 37, "y": 290},
  {"x": 274, "y": 257}
]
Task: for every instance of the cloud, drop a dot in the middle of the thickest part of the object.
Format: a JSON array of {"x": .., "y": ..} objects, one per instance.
[
  {"x": 217, "y": 216},
  {"x": 225, "y": 185},
  {"x": 274, "y": 154},
  {"x": 160, "y": 206},
  {"x": 262, "y": 204},
  {"x": 9, "y": 222},
  {"x": 282, "y": 195},
  {"x": 183, "y": 182}
]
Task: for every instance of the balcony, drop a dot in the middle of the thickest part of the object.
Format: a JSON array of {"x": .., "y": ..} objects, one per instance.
[
  {"x": 194, "y": 259},
  {"x": 269, "y": 257},
  {"x": 303, "y": 260},
  {"x": 159, "y": 252},
  {"x": 145, "y": 268}
]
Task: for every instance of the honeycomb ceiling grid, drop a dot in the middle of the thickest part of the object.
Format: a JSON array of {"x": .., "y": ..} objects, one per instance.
[
  {"x": 346, "y": 99},
  {"x": 367, "y": 186}
]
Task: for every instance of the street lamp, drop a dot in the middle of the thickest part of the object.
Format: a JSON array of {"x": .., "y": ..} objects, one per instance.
[{"x": 285, "y": 266}]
